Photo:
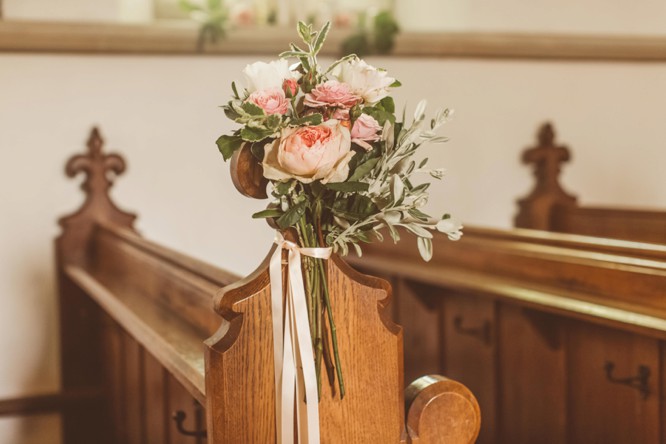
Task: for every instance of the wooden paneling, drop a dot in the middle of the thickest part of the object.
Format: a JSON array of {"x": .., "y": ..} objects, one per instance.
[
  {"x": 420, "y": 318},
  {"x": 601, "y": 411},
  {"x": 114, "y": 381},
  {"x": 469, "y": 345},
  {"x": 180, "y": 400},
  {"x": 157, "y": 412},
  {"x": 662, "y": 390},
  {"x": 81, "y": 361},
  {"x": 532, "y": 377},
  {"x": 133, "y": 405}
]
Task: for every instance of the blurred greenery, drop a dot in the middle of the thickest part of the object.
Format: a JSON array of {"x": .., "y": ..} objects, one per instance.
[{"x": 378, "y": 37}]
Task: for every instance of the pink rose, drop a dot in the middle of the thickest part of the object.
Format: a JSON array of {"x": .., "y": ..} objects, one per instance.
[
  {"x": 340, "y": 114},
  {"x": 366, "y": 129},
  {"x": 310, "y": 153},
  {"x": 290, "y": 87},
  {"x": 333, "y": 94},
  {"x": 272, "y": 101}
]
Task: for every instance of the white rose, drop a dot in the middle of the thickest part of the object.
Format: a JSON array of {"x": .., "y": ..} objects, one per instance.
[
  {"x": 261, "y": 76},
  {"x": 365, "y": 80}
]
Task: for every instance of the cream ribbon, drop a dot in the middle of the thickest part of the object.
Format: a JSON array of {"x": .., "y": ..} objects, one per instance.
[{"x": 292, "y": 347}]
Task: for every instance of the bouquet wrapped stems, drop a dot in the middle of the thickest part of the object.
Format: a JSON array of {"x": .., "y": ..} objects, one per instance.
[
  {"x": 340, "y": 164},
  {"x": 319, "y": 307}
]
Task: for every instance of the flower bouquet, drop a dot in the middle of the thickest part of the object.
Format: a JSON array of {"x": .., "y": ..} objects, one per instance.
[{"x": 337, "y": 162}]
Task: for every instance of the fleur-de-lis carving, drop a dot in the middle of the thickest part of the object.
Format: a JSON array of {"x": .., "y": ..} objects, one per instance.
[
  {"x": 96, "y": 165},
  {"x": 100, "y": 170}
]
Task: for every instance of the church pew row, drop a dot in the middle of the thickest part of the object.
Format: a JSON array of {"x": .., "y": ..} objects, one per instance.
[
  {"x": 180, "y": 351},
  {"x": 549, "y": 207},
  {"x": 562, "y": 338}
]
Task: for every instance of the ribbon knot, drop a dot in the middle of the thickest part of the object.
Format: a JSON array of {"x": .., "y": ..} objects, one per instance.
[{"x": 292, "y": 347}]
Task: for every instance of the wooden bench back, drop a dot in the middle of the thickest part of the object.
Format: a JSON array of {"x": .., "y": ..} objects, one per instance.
[{"x": 530, "y": 322}]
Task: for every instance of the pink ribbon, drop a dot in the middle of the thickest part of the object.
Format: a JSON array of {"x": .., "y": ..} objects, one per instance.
[{"x": 292, "y": 347}]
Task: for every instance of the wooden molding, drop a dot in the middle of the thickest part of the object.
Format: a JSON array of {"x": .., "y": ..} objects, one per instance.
[
  {"x": 47, "y": 403},
  {"x": 180, "y": 37}
]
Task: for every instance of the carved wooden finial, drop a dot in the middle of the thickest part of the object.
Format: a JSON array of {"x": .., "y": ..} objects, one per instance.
[
  {"x": 546, "y": 135},
  {"x": 547, "y": 158},
  {"x": 100, "y": 170}
]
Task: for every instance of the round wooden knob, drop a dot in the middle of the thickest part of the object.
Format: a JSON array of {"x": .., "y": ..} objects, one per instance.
[
  {"x": 247, "y": 174},
  {"x": 440, "y": 411}
]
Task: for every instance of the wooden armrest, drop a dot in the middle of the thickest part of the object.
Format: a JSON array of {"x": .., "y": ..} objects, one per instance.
[{"x": 440, "y": 410}]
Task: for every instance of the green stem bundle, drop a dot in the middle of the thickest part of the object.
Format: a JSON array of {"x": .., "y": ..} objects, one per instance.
[{"x": 319, "y": 306}]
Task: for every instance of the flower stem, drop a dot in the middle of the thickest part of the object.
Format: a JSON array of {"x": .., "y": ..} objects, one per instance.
[{"x": 334, "y": 336}]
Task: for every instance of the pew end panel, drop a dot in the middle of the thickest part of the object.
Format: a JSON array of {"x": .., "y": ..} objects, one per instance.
[{"x": 370, "y": 347}]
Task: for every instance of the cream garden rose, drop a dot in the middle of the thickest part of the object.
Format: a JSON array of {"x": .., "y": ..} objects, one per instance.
[
  {"x": 365, "y": 80},
  {"x": 310, "y": 153},
  {"x": 261, "y": 76}
]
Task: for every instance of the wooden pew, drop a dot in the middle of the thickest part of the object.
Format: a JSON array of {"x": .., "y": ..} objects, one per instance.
[
  {"x": 181, "y": 351},
  {"x": 561, "y": 338},
  {"x": 548, "y": 207}
]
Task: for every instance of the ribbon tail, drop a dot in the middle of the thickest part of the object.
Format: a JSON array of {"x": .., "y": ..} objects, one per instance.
[
  {"x": 306, "y": 355},
  {"x": 289, "y": 377},
  {"x": 275, "y": 272}
]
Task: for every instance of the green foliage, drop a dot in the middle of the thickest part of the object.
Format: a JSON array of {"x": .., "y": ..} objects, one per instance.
[
  {"x": 348, "y": 186},
  {"x": 254, "y": 134},
  {"x": 311, "y": 119},
  {"x": 270, "y": 212},
  {"x": 228, "y": 145},
  {"x": 292, "y": 216},
  {"x": 363, "y": 169}
]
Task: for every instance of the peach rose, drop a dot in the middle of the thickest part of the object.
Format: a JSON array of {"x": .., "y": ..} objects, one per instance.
[
  {"x": 272, "y": 101},
  {"x": 366, "y": 129},
  {"x": 310, "y": 153},
  {"x": 331, "y": 93}
]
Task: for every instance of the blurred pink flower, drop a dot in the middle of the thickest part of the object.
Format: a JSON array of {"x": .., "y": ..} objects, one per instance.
[
  {"x": 332, "y": 93},
  {"x": 366, "y": 129},
  {"x": 272, "y": 101},
  {"x": 290, "y": 87}
]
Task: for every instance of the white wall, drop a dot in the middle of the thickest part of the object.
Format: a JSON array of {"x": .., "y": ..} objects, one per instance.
[
  {"x": 161, "y": 113},
  {"x": 646, "y": 17}
]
